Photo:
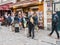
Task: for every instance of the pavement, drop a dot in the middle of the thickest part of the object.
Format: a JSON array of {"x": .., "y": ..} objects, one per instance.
[{"x": 8, "y": 37}]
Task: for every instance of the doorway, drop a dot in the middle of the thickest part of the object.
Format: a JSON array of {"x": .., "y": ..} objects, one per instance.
[{"x": 58, "y": 13}]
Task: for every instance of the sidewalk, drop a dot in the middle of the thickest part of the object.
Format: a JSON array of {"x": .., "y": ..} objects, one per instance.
[{"x": 7, "y": 37}]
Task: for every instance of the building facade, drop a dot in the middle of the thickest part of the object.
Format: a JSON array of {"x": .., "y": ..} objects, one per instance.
[
  {"x": 30, "y": 6},
  {"x": 5, "y": 6},
  {"x": 42, "y": 6}
]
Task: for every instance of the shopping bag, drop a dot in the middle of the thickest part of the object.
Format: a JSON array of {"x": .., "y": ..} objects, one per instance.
[{"x": 16, "y": 25}]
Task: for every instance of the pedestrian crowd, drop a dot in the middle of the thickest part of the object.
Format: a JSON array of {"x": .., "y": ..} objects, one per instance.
[{"x": 19, "y": 21}]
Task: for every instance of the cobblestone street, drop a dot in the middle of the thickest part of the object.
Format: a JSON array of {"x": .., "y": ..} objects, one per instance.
[{"x": 7, "y": 37}]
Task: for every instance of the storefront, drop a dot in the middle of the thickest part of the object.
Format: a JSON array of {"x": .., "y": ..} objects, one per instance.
[
  {"x": 5, "y": 8},
  {"x": 51, "y": 5},
  {"x": 27, "y": 6}
]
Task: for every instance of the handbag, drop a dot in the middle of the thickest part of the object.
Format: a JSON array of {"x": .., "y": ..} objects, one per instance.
[{"x": 31, "y": 20}]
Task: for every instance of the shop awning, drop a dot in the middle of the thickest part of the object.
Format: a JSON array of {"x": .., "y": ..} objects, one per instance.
[
  {"x": 24, "y": 3},
  {"x": 5, "y": 6},
  {"x": 1, "y": 8}
]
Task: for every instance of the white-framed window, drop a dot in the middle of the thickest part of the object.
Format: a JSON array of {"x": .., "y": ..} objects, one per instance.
[
  {"x": 56, "y": 0},
  {"x": 57, "y": 7},
  {"x": 5, "y": 0},
  {"x": 0, "y": 1}
]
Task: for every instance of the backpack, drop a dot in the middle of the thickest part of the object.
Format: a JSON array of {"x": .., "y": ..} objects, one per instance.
[
  {"x": 55, "y": 19},
  {"x": 16, "y": 19}
]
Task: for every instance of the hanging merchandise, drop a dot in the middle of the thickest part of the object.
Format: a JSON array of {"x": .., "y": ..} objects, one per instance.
[
  {"x": 48, "y": 4},
  {"x": 49, "y": 15}
]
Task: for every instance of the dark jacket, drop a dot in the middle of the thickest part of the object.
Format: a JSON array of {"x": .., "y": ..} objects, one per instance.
[
  {"x": 9, "y": 19},
  {"x": 16, "y": 19},
  {"x": 30, "y": 25},
  {"x": 55, "y": 19},
  {"x": 35, "y": 20}
]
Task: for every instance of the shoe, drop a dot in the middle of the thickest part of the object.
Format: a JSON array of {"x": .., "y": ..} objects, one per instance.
[
  {"x": 32, "y": 37},
  {"x": 49, "y": 35},
  {"x": 56, "y": 38},
  {"x": 28, "y": 36}
]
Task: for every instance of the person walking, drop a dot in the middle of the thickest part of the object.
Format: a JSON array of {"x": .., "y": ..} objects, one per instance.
[
  {"x": 16, "y": 23},
  {"x": 20, "y": 19},
  {"x": 12, "y": 17},
  {"x": 35, "y": 17},
  {"x": 6, "y": 17},
  {"x": 9, "y": 19},
  {"x": 31, "y": 26},
  {"x": 12, "y": 23},
  {"x": 55, "y": 20},
  {"x": 24, "y": 20}
]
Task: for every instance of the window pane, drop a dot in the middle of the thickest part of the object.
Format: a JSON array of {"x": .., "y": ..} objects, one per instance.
[
  {"x": 57, "y": 7},
  {"x": 0, "y": 1},
  {"x": 4, "y": 0},
  {"x": 56, "y": 0}
]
